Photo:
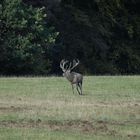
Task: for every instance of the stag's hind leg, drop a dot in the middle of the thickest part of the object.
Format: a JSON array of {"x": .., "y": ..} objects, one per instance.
[{"x": 78, "y": 87}]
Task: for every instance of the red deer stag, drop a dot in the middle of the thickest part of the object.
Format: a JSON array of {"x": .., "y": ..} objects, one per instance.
[{"x": 72, "y": 77}]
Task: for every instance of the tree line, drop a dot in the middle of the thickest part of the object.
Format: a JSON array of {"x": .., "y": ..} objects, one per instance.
[{"x": 103, "y": 34}]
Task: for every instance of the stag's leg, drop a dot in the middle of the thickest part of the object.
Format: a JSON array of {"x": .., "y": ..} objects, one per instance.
[
  {"x": 72, "y": 88},
  {"x": 77, "y": 87},
  {"x": 80, "y": 86}
]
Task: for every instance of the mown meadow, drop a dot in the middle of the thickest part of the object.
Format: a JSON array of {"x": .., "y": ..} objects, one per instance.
[{"x": 44, "y": 108}]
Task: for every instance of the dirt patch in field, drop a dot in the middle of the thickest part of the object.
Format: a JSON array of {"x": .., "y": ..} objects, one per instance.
[
  {"x": 13, "y": 109},
  {"x": 84, "y": 126},
  {"x": 97, "y": 127},
  {"x": 117, "y": 104},
  {"x": 119, "y": 123}
]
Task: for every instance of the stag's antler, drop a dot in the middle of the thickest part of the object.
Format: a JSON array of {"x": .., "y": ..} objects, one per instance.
[
  {"x": 62, "y": 65},
  {"x": 71, "y": 65}
]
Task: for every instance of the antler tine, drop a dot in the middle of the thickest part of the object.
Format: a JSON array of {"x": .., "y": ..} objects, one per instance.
[
  {"x": 69, "y": 66},
  {"x": 62, "y": 64},
  {"x": 75, "y": 63}
]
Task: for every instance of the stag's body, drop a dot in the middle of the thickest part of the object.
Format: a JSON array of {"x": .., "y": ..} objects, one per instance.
[{"x": 72, "y": 77}]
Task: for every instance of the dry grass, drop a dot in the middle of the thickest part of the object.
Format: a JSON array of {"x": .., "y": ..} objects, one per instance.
[{"x": 110, "y": 106}]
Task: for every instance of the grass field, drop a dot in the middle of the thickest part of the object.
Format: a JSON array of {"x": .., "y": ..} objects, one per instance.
[{"x": 44, "y": 108}]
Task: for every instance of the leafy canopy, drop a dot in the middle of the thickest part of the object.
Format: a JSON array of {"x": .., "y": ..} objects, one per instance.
[{"x": 24, "y": 37}]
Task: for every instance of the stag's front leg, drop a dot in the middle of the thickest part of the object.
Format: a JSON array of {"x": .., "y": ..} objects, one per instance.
[{"x": 72, "y": 88}]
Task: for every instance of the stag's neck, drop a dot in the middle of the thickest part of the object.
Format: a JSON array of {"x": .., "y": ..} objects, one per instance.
[{"x": 69, "y": 76}]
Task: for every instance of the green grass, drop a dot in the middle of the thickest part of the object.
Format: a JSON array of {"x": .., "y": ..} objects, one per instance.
[{"x": 41, "y": 108}]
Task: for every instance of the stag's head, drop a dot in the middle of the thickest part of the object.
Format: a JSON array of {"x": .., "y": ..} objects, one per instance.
[{"x": 67, "y": 66}]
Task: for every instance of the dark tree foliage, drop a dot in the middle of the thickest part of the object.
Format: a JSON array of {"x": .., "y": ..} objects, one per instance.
[
  {"x": 103, "y": 34},
  {"x": 24, "y": 37}
]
